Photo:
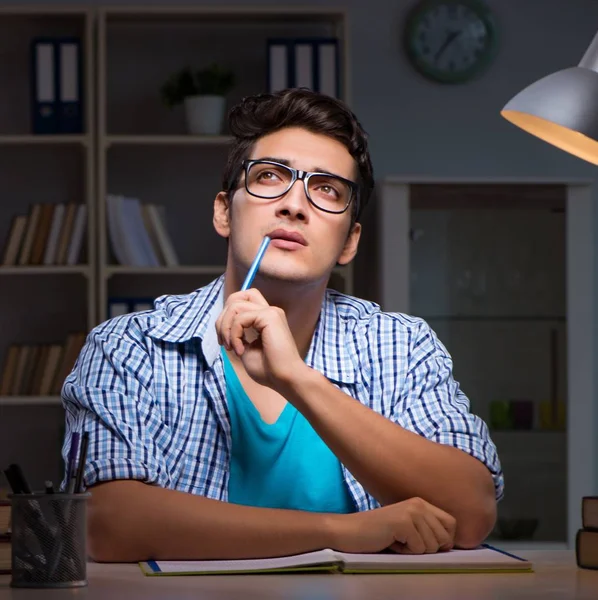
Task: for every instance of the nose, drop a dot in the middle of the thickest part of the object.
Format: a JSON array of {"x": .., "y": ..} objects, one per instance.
[{"x": 294, "y": 204}]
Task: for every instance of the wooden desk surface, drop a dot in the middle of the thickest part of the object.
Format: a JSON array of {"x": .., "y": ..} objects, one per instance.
[{"x": 556, "y": 577}]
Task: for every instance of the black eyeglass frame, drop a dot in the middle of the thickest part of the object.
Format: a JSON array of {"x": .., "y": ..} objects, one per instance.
[{"x": 304, "y": 176}]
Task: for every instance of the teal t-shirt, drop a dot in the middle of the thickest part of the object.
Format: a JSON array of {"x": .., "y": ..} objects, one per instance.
[{"x": 280, "y": 465}]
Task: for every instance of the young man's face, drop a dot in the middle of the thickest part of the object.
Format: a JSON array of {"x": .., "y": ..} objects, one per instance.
[{"x": 307, "y": 242}]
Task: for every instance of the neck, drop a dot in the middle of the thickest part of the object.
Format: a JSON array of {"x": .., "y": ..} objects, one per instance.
[{"x": 301, "y": 302}]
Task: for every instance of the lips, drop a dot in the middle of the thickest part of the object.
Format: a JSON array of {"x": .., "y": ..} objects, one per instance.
[{"x": 289, "y": 236}]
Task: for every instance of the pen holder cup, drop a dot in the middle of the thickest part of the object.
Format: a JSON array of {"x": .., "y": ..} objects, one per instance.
[{"x": 49, "y": 540}]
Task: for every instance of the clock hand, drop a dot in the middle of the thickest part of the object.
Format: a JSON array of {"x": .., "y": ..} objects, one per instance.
[{"x": 449, "y": 40}]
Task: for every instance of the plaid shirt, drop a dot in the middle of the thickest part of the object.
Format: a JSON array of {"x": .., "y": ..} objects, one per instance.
[{"x": 149, "y": 387}]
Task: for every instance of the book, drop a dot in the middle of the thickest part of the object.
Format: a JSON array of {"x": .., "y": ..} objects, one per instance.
[
  {"x": 27, "y": 245},
  {"x": 5, "y": 511},
  {"x": 586, "y": 548},
  {"x": 483, "y": 559},
  {"x": 52, "y": 244},
  {"x": 5, "y": 554},
  {"x": 9, "y": 370},
  {"x": 14, "y": 240},
  {"x": 589, "y": 512}
]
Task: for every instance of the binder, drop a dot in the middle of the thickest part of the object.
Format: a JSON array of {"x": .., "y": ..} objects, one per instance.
[
  {"x": 311, "y": 62},
  {"x": 70, "y": 90},
  {"x": 44, "y": 98},
  {"x": 327, "y": 68},
  {"x": 279, "y": 65}
]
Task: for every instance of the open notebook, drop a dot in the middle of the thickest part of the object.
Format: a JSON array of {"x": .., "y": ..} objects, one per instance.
[{"x": 484, "y": 559}]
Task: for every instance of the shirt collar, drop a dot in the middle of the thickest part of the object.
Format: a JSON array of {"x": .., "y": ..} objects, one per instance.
[{"x": 194, "y": 316}]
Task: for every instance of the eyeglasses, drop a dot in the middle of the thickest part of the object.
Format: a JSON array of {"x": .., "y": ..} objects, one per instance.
[{"x": 327, "y": 192}]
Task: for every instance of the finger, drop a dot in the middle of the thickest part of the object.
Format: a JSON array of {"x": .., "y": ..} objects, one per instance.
[
  {"x": 250, "y": 295},
  {"x": 427, "y": 534},
  {"x": 410, "y": 542},
  {"x": 448, "y": 521},
  {"x": 443, "y": 537},
  {"x": 239, "y": 324},
  {"x": 224, "y": 321}
]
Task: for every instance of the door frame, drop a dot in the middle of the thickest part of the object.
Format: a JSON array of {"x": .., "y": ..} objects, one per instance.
[{"x": 582, "y": 414}]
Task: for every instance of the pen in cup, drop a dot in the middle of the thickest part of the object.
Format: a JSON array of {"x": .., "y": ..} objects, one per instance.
[
  {"x": 255, "y": 265},
  {"x": 72, "y": 459},
  {"x": 81, "y": 464}
]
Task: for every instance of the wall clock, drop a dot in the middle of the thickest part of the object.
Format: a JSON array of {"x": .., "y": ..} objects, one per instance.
[{"x": 450, "y": 41}]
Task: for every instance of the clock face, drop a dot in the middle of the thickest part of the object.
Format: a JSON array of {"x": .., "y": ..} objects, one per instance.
[{"x": 450, "y": 41}]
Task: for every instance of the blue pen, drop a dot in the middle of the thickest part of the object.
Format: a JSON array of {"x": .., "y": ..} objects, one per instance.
[{"x": 255, "y": 265}]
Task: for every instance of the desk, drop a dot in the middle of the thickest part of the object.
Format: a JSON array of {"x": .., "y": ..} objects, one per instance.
[{"x": 556, "y": 577}]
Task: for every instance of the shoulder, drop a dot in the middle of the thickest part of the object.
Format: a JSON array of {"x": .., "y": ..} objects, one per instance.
[
  {"x": 365, "y": 318},
  {"x": 167, "y": 313}
]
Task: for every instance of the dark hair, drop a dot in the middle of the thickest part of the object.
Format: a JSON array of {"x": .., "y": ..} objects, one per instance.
[{"x": 259, "y": 115}]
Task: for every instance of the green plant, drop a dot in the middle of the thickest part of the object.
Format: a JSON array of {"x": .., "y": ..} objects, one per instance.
[{"x": 213, "y": 80}]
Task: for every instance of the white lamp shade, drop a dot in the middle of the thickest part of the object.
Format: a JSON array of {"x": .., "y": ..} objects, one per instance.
[{"x": 562, "y": 108}]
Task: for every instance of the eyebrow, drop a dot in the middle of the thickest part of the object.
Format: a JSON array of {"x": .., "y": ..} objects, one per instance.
[{"x": 287, "y": 163}]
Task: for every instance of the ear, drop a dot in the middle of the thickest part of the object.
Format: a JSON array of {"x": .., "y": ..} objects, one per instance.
[
  {"x": 221, "y": 218},
  {"x": 350, "y": 249}
]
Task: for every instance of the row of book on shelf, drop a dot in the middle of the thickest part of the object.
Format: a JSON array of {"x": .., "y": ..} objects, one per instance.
[
  {"x": 138, "y": 233},
  {"x": 39, "y": 369},
  {"x": 49, "y": 234}
]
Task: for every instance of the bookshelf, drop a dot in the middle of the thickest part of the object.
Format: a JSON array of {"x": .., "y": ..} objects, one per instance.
[
  {"x": 41, "y": 304},
  {"x": 141, "y": 144},
  {"x": 132, "y": 145}
]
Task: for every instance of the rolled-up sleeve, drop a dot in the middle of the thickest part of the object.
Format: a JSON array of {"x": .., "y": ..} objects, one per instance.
[
  {"x": 432, "y": 404},
  {"x": 109, "y": 394}
]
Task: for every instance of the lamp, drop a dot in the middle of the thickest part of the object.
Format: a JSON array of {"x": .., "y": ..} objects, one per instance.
[{"x": 562, "y": 108}]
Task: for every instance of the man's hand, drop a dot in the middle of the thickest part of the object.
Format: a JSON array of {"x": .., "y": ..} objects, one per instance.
[
  {"x": 413, "y": 526},
  {"x": 259, "y": 334}
]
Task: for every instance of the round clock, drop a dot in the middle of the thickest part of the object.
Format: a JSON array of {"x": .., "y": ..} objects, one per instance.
[{"x": 450, "y": 41}]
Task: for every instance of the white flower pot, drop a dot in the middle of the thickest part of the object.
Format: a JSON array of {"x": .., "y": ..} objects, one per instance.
[{"x": 205, "y": 114}]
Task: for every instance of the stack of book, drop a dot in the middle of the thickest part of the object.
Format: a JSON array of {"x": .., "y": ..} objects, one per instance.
[
  {"x": 586, "y": 543},
  {"x": 138, "y": 234},
  {"x": 5, "y": 560},
  {"x": 39, "y": 370},
  {"x": 50, "y": 234}
]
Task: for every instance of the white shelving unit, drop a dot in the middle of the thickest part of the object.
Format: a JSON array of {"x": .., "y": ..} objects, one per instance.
[{"x": 134, "y": 129}]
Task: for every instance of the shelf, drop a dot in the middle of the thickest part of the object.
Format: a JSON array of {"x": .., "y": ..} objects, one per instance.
[
  {"x": 45, "y": 270},
  {"x": 167, "y": 140},
  {"x": 30, "y": 400},
  {"x": 44, "y": 140},
  {"x": 180, "y": 270},
  {"x": 249, "y": 13}
]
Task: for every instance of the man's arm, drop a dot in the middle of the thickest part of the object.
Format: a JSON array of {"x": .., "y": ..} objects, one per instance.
[
  {"x": 132, "y": 521},
  {"x": 394, "y": 464}
]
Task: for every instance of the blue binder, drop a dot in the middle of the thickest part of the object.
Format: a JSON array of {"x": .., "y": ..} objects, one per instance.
[
  {"x": 44, "y": 86},
  {"x": 323, "y": 67},
  {"x": 70, "y": 87}
]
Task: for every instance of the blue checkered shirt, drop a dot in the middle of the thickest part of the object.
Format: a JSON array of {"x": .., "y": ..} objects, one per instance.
[{"x": 150, "y": 389}]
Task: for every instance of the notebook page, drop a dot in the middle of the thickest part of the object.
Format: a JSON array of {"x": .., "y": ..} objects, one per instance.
[
  {"x": 254, "y": 564},
  {"x": 480, "y": 558}
]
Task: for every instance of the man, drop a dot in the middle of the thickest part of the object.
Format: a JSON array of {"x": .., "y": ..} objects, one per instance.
[{"x": 288, "y": 417}]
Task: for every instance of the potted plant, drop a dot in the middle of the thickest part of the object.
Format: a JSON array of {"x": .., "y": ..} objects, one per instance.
[{"x": 203, "y": 94}]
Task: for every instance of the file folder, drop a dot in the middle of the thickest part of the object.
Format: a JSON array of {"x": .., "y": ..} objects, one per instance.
[
  {"x": 70, "y": 105},
  {"x": 44, "y": 101}
]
